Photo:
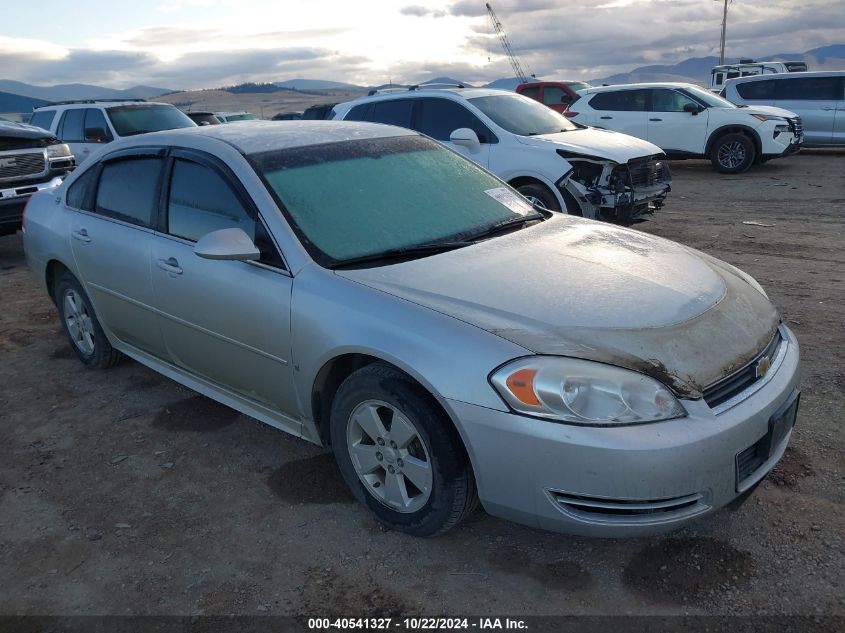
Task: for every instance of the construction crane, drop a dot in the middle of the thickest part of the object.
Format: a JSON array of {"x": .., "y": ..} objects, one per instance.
[{"x": 506, "y": 44}]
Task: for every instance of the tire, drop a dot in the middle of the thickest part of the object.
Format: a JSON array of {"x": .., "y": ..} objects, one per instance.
[
  {"x": 412, "y": 435},
  {"x": 732, "y": 153},
  {"x": 83, "y": 330},
  {"x": 572, "y": 206},
  {"x": 540, "y": 194}
]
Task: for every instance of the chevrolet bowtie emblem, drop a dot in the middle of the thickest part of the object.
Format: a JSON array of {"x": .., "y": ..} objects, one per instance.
[{"x": 763, "y": 366}]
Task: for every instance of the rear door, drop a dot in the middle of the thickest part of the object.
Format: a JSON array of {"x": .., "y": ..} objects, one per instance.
[
  {"x": 816, "y": 100},
  {"x": 622, "y": 110},
  {"x": 670, "y": 127},
  {"x": 113, "y": 207},
  {"x": 438, "y": 118},
  {"x": 839, "y": 119},
  {"x": 225, "y": 321}
]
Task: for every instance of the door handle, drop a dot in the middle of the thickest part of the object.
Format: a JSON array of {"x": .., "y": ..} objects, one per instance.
[
  {"x": 655, "y": 119},
  {"x": 605, "y": 117},
  {"x": 81, "y": 235},
  {"x": 170, "y": 265},
  {"x": 828, "y": 108}
]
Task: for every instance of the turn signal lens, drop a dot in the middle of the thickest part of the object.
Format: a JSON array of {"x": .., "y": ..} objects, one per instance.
[{"x": 521, "y": 385}]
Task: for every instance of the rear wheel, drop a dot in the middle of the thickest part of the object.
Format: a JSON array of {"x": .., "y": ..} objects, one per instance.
[
  {"x": 399, "y": 454},
  {"x": 540, "y": 195},
  {"x": 81, "y": 326},
  {"x": 732, "y": 153}
]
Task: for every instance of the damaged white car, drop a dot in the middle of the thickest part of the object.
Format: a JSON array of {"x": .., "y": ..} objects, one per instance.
[{"x": 551, "y": 160}]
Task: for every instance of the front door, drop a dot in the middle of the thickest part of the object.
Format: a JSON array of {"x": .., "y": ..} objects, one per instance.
[
  {"x": 671, "y": 128},
  {"x": 439, "y": 117},
  {"x": 225, "y": 321}
]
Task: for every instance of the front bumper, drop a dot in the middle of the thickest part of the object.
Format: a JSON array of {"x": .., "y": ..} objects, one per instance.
[
  {"x": 13, "y": 200},
  {"x": 624, "y": 481},
  {"x": 781, "y": 144}
]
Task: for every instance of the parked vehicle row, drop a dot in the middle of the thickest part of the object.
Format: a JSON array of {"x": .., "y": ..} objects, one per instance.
[
  {"x": 549, "y": 159},
  {"x": 366, "y": 288}
]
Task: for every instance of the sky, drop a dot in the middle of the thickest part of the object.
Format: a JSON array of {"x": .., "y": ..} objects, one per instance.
[{"x": 184, "y": 44}]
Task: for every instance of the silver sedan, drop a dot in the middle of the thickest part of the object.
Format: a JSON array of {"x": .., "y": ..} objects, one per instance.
[{"x": 364, "y": 288}]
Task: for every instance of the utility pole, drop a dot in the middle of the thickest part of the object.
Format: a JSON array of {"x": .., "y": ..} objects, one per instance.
[{"x": 724, "y": 26}]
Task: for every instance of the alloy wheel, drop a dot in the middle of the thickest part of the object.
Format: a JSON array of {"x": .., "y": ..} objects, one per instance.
[
  {"x": 731, "y": 155},
  {"x": 78, "y": 322}
]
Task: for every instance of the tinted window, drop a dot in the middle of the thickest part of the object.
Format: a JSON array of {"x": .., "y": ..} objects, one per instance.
[
  {"x": 757, "y": 90},
  {"x": 663, "y": 100},
  {"x": 77, "y": 193},
  {"x": 201, "y": 201},
  {"x": 358, "y": 113},
  {"x": 440, "y": 117},
  {"x": 809, "y": 88},
  {"x": 532, "y": 93},
  {"x": 621, "y": 101},
  {"x": 522, "y": 116},
  {"x": 96, "y": 129},
  {"x": 396, "y": 112},
  {"x": 70, "y": 127},
  {"x": 552, "y": 95},
  {"x": 43, "y": 119},
  {"x": 138, "y": 119},
  {"x": 128, "y": 189}
]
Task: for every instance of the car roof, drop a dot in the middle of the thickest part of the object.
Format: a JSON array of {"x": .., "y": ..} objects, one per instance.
[
  {"x": 251, "y": 137},
  {"x": 654, "y": 84},
  {"x": 106, "y": 103},
  {"x": 466, "y": 93},
  {"x": 796, "y": 75}
]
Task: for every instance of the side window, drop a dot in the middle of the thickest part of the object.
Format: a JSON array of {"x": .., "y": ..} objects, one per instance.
[
  {"x": 809, "y": 88},
  {"x": 43, "y": 119},
  {"x": 396, "y": 112},
  {"x": 70, "y": 127},
  {"x": 440, "y": 117},
  {"x": 621, "y": 101},
  {"x": 96, "y": 129},
  {"x": 552, "y": 95},
  {"x": 77, "y": 194},
  {"x": 129, "y": 189},
  {"x": 532, "y": 92},
  {"x": 663, "y": 100},
  {"x": 201, "y": 201},
  {"x": 358, "y": 113},
  {"x": 757, "y": 90}
]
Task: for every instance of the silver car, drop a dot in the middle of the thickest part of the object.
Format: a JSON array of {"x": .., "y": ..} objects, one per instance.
[{"x": 367, "y": 289}]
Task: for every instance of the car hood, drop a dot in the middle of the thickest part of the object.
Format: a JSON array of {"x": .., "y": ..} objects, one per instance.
[
  {"x": 591, "y": 141},
  {"x": 574, "y": 287},
  {"x": 772, "y": 110},
  {"x": 10, "y": 129}
]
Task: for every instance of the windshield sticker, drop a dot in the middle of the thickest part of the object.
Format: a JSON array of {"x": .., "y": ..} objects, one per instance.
[{"x": 511, "y": 200}]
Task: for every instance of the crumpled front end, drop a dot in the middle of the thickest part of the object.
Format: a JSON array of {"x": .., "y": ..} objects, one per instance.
[{"x": 620, "y": 193}]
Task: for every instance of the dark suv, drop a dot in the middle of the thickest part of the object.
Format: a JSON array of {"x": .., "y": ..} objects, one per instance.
[{"x": 31, "y": 159}]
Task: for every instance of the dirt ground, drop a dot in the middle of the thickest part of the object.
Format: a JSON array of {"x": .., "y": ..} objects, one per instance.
[{"x": 122, "y": 492}]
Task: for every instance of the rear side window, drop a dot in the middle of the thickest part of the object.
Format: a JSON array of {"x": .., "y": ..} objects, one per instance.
[
  {"x": 43, "y": 119},
  {"x": 396, "y": 112},
  {"x": 358, "y": 113},
  {"x": 552, "y": 95},
  {"x": 438, "y": 118},
  {"x": 809, "y": 88},
  {"x": 753, "y": 90},
  {"x": 70, "y": 127},
  {"x": 129, "y": 189},
  {"x": 77, "y": 193},
  {"x": 621, "y": 101}
]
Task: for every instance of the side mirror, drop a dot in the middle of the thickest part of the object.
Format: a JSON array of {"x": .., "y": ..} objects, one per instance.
[
  {"x": 232, "y": 244},
  {"x": 692, "y": 108},
  {"x": 465, "y": 137},
  {"x": 97, "y": 135}
]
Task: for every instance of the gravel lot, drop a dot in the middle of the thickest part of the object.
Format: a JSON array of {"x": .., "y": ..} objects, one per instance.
[{"x": 122, "y": 492}]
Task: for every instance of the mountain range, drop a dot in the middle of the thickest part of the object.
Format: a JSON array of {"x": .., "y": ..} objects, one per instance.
[{"x": 67, "y": 92}]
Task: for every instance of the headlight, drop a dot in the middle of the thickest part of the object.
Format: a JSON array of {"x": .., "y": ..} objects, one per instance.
[
  {"x": 58, "y": 151},
  {"x": 583, "y": 392},
  {"x": 768, "y": 117}
]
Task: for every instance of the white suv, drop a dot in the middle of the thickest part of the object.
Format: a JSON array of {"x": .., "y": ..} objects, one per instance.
[
  {"x": 690, "y": 122},
  {"x": 85, "y": 125},
  {"x": 543, "y": 155}
]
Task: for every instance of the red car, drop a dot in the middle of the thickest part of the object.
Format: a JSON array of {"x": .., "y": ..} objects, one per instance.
[{"x": 555, "y": 94}]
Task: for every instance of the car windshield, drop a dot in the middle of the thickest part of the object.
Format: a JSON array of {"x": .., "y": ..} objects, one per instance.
[
  {"x": 240, "y": 117},
  {"x": 521, "y": 115},
  {"x": 356, "y": 199},
  {"x": 708, "y": 98},
  {"x": 128, "y": 120},
  {"x": 578, "y": 85}
]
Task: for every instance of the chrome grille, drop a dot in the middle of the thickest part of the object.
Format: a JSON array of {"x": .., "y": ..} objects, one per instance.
[
  {"x": 628, "y": 510},
  {"x": 15, "y": 166},
  {"x": 645, "y": 173},
  {"x": 740, "y": 380},
  {"x": 797, "y": 126}
]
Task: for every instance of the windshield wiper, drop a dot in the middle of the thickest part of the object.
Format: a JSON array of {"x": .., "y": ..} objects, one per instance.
[
  {"x": 408, "y": 252},
  {"x": 506, "y": 225}
]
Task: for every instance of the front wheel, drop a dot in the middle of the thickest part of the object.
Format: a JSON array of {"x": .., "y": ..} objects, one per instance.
[
  {"x": 732, "y": 154},
  {"x": 539, "y": 195},
  {"x": 399, "y": 454}
]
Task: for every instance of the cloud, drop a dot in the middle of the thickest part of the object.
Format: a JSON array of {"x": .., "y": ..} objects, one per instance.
[{"x": 422, "y": 12}]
